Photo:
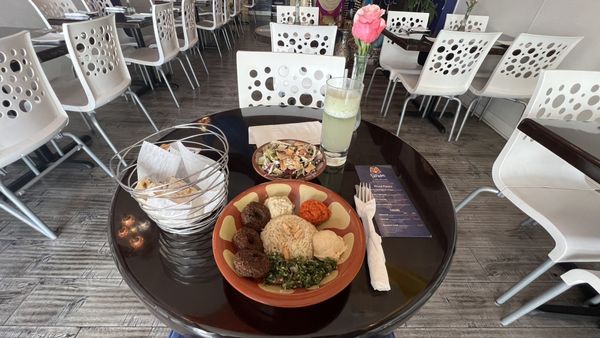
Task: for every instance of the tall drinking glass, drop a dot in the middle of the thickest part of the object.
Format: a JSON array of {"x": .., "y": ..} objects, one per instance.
[{"x": 342, "y": 102}]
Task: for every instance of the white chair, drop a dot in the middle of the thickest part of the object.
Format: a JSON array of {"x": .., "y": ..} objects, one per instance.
[
  {"x": 190, "y": 35},
  {"x": 516, "y": 75},
  {"x": 102, "y": 74},
  {"x": 167, "y": 45},
  {"x": 235, "y": 15},
  {"x": 394, "y": 58},
  {"x": 215, "y": 21},
  {"x": 569, "y": 279},
  {"x": 475, "y": 23},
  {"x": 553, "y": 193},
  {"x": 30, "y": 117},
  {"x": 318, "y": 40},
  {"x": 307, "y": 16},
  {"x": 449, "y": 69},
  {"x": 52, "y": 9},
  {"x": 268, "y": 79},
  {"x": 250, "y": 6}
]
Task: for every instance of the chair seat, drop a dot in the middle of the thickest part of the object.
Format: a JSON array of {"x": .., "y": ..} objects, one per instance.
[
  {"x": 478, "y": 86},
  {"x": 570, "y": 216},
  {"x": 71, "y": 95},
  {"x": 410, "y": 83},
  {"x": 207, "y": 25},
  {"x": 578, "y": 276},
  {"x": 10, "y": 153},
  {"x": 143, "y": 56},
  {"x": 400, "y": 65}
]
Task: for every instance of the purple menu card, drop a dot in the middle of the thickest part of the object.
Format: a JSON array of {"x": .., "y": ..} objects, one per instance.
[{"x": 396, "y": 215}]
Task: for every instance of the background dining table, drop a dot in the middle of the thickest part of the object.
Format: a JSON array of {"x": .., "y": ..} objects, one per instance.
[{"x": 178, "y": 281}]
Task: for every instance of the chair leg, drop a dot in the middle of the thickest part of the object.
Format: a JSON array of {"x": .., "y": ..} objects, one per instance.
[
  {"x": 485, "y": 109},
  {"x": 162, "y": 73},
  {"x": 422, "y": 104},
  {"x": 535, "y": 303},
  {"x": 437, "y": 103},
  {"x": 186, "y": 73},
  {"x": 217, "y": 43},
  {"x": 187, "y": 58},
  {"x": 474, "y": 194},
  {"x": 408, "y": 99},
  {"x": 137, "y": 100},
  {"x": 387, "y": 107},
  {"x": 148, "y": 76},
  {"x": 444, "y": 109},
  {"x": 429, "y": 98},
  {"x": 226, "y": 37},
  {"x": 92, "y": 117},
  {"x": 385, "y": 97},
  {"x": 89, "y": 152},
  {"x": 468, "y": 113},
  {"x": 203, "y": 63},
  {"x": 456, "y": 115},
  {"x": 25, "y": 215},
  {"x": 371, "y": 82},
  {"x": 525, "y": 281},
  {"x": 87, "y": 123}
]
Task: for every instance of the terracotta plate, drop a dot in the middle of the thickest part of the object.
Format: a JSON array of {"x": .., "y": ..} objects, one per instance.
[
  {"x": 259, "y": 152},
  {"x": 343, "y": 221}
]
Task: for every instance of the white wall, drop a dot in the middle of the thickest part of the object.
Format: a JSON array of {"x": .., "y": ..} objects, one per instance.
[{"x": 550, "y": 17}]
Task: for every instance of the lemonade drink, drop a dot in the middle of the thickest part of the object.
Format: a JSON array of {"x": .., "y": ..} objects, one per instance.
[{"x": 342, "y": 102}]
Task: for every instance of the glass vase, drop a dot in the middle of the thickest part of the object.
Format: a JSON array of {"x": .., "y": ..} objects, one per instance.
[
  {"x": 358, "y": 74},
  {"x": 463, "y": 23}
]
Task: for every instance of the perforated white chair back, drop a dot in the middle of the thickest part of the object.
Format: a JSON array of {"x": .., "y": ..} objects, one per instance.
[
  {"x": 517, "y": 73},
  {"x": 303, "y": 39},
  {"x": 268, "y": 79},
  {"x": 453, "y": 62},
  {"x": 97, "y": 5},
  {"x": 398, "y": 22},
  {"x": 97, "y": 58},
  {"x": 48, "y": 9},
  {"x": 30, "y": 113},
  {"x": 308, "y": 15},
  {"x": 475, "y": 23},
  {"x": 163, "y": 21},
  {"x": 217, "y": 18},
  {"x": 190, "y": 33},
  {"x": 560, "y": 95}
]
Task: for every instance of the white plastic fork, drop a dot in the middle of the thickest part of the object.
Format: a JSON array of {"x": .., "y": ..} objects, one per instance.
[{"x": 366, "y": 207}]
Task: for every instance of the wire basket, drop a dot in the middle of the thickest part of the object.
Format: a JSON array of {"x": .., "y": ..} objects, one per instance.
[{"x": 181, "y": 205}]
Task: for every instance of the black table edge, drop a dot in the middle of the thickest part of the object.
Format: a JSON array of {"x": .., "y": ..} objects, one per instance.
[{"x": 563, "y": 148}]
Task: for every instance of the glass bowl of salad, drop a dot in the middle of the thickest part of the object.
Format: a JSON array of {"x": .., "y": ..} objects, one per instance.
[{"x": 289, "y": 159}]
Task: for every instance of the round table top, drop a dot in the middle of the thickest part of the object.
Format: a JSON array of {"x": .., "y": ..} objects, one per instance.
[{"x": 177, "y": 279}]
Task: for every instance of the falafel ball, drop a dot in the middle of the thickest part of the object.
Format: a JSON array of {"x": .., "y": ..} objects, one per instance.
[
  {"x": 247, "y": 238},
  {"x": 251, "y": 263},
  {"x": 256, "y": 216}
]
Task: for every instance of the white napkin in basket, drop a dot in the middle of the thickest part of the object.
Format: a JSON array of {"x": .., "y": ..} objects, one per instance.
[{"x": 304, "y": 131}]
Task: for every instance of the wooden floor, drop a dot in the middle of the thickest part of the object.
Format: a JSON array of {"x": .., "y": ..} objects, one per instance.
[{"x": 70, "y": 287}]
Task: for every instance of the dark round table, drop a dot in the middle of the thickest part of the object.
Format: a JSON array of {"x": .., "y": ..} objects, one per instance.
[{"x": 177, "y": 279}]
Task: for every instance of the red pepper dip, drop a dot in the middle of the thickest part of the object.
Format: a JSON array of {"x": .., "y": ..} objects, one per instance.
[{"x": 314, "y": 211}]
